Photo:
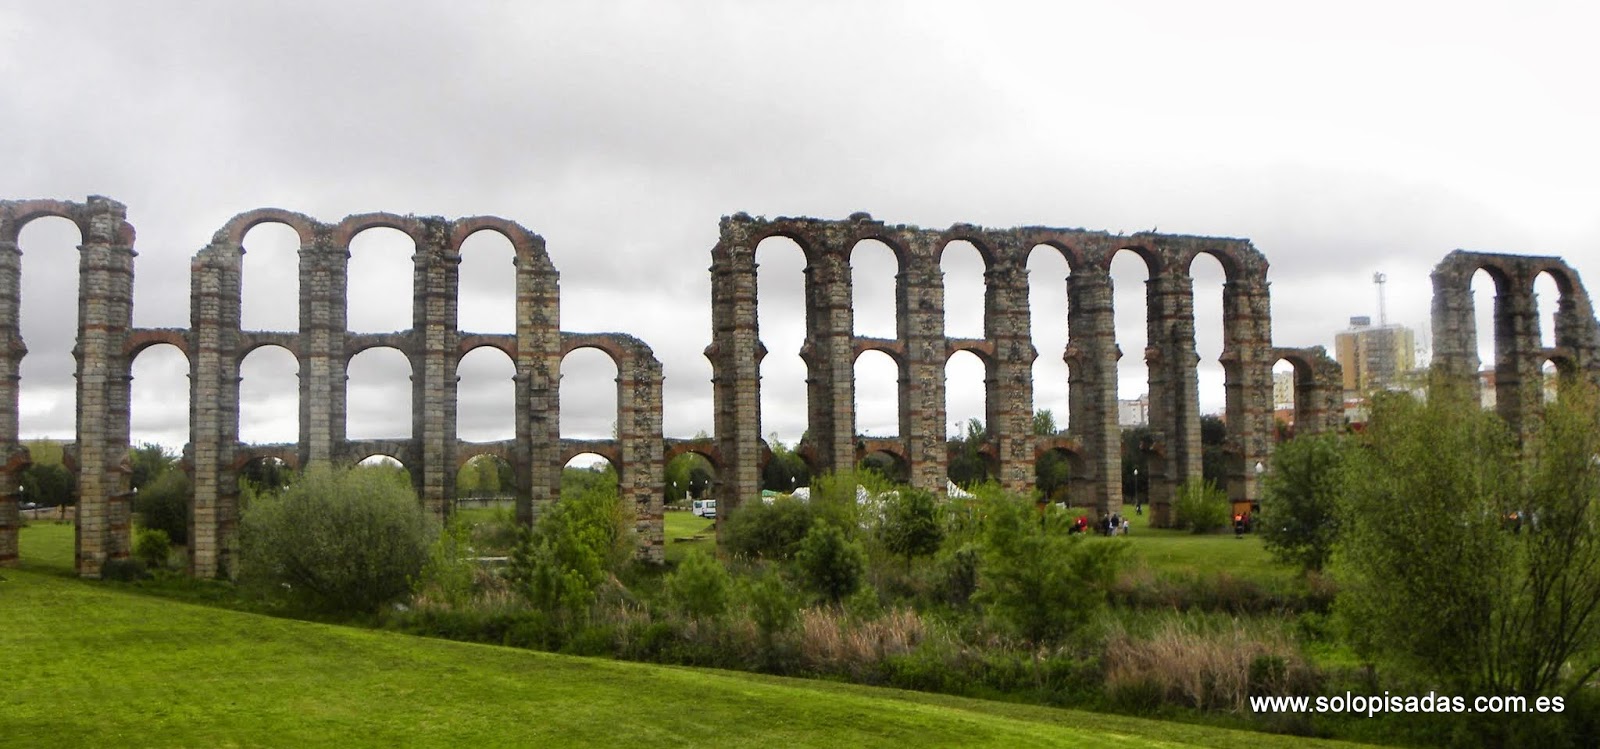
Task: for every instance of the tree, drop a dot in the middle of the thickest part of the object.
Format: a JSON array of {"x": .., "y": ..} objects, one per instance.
[
  {"x": 1199, "y": 506},
  {"x": 163, "y": 505},
  {"x": 1213, "y": 449},
  {"x": 786, "y": 470},
  {"x": 1037, "y": 581},
  {"x": 1299, "y": 520},
  {"x": 830, "y": 564},
  {"x": 46, "y": 481},
  {"x": 338, "y": 540},
  {"x": 687, "y": 475},
  {"x": 1469, "y": 561},
  {"x": 576, "y": 546},
  {"x": 911, "y": 524},
  {"x": 149, "y": 462},
  {"x": 1044, "y": 423},
  {"x": 1053, "y": 473},
  {"x": 967, "y": 466}
]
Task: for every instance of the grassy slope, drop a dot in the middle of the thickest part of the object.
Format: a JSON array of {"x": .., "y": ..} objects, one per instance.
[{"x": 91, "y": 665}]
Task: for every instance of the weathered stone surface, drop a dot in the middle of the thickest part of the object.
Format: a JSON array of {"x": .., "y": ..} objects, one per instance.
[{"x": 215, "y": 345}]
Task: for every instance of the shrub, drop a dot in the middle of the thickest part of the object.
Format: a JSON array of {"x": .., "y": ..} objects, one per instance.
[
  {"x": 830, "y": 564},
  {"x": 1200, "y": 506},
  {"x": 701, "y": 586},
  {"x": 758, "y": 530},
  {"x": 576, "y": 545},
  {"x": 340, "y": 541},
  {"x": 1038, "y": 582},
  {"x": 151, "y": 547},
  {"x": 163, "y": 504},
  {"x": 911, "y": 524},
  {"x": 448, "y": 577},
  {"x": 1300, "y": 509}
]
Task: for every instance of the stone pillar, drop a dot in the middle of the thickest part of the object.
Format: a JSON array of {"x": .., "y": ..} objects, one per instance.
[
  {"x": 1247, "y": 364},
  {"x": 919, "y": 307},
  {"x": 105, "y": 305},
  {"x": 1174, "y": 386},
  {"x": 1577, "y": 330},
  {"x": 829, "y": 352},
  {"x": 538, "y": 380},
  {"x": 433, "y": 414},
  {"x": 1455, "y": 331},
  {"x": 214, "y": 309},
  {"x": 1009, "y": 392},
  {"x": 13, "y": 457},
  {"x": 324, "y": 271},
  {"x": 1519, "y": 382},
  {"x": 640, "y": 447},
  {"x": 735, "y": 355},
  {"x": 1092, "y": 384}
]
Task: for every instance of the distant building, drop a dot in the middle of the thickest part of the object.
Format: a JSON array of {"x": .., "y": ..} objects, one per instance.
[
  {"x": 1282, "y": 391},
  {"x": 1374, "y": 357},
  {"x": 1133, "y": 413}
]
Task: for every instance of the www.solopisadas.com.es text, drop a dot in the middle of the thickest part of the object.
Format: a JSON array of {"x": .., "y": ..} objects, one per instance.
[{"x": 1376, "y": 704}]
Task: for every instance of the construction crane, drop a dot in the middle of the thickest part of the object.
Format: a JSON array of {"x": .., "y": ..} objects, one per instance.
[{"x": 1383, "y": 313}]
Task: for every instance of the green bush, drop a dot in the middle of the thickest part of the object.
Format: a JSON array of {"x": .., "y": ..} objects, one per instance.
[
  {"x": 448, "y": 577},
  {"x": 911, "y": 526},
  {"x": 830, "y": 564},
  {"x": 340, "y": 541},
  {"x": 1200, "y": 506},
  {"x": 163, "y": 504},
  {"x": 576, "y": 545},
  {"x": 701, "y": 586},
  {"x": 759, "y": 530},
  {"x": 1037, "y": 581},
  {"x": 1300, "y": 508},
  {"x": 151, "y": 546}
]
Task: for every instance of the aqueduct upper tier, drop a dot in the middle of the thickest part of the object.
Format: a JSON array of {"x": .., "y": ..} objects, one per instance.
[{"x": 215, "y": 344}]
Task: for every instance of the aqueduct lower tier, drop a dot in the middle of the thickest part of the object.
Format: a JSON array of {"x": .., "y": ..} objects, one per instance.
[{"x": 215, "y": 345}]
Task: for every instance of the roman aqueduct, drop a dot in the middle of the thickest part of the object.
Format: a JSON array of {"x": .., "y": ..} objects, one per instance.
[{"x": 215, "y": 345}]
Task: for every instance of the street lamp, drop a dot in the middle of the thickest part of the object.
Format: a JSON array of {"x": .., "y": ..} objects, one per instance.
[{"x": 1138, "y": 499}]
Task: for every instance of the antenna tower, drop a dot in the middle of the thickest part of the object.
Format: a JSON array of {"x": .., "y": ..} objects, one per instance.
[{"x": 1383, "y": 312}]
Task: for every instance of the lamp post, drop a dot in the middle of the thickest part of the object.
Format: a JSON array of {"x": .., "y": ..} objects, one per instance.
[{"x": 1138, "y": 499}]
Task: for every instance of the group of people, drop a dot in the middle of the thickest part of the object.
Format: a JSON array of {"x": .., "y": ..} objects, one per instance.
[
  {"x": 1241, "y": 524},
  {"x": 1108, "y": 525}
]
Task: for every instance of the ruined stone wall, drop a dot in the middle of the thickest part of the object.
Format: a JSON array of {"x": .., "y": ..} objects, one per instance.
[
  {"x": 921, "y": 349},
  {"x": 1519, "y": 353}
]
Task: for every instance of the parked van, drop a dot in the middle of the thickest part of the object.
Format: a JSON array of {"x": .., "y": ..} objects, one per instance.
[{"x": 705, "y": 508}]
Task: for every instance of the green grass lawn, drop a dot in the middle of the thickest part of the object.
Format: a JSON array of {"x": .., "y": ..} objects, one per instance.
[
  {"x": 46, "y": 545},
  {"x": 681, "y": 529},
  {"x": 1164, "y": 550},
  {"x": 89, "y": 664}
]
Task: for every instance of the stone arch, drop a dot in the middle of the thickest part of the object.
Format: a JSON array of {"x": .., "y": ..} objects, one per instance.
[
  {"x": 143, "y": 338},
  {"x": 147, "y": 405},
  {"x": 365, "y": 364},
  {"x": 483, "y": 257},
  {"x": 232, "y": 233},
  {"x": 899, "y": 469},
  {"x": 486, "y": 391},
  {"x": 871, "y": 417},
  {"x": 1048, "y": 310},
  {"x": 267, "y": 279},
  {"x": 373, "y": 243}
]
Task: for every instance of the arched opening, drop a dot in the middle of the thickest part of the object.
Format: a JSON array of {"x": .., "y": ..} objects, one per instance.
[
  {"x": 1285, "y": 380},
  {"x": 1550, "y": 377},
  {"x": 389, "y": 468},
  {"x": 47, "y": 395},
  {"x": 886, "y": 464},
  {"x": 873, "y": 269},
  {"x": 380, "y": 290},
  {"x": 485, "y": 481},
  {"x": 1130, "y": 275},
  {"x": 269, "y": 278},
  {"x": 966, "y": 411},
  {"x": 781, "y": 325},
  {"x": 265, "y": 474},
  {"x": 585, "y": 472},
  {"x": 378, "y": 395},
  {"x": 486, "y": 396},
  {"x": 159, "y": 398},
  {"x": 1053, "y": 473},
  {"x": 269, "y": 397},
  {"x": 588, "y": 395},
  {"x": 963, "y": 267},
  {"x": 687, "y": 477},
  {"x": 1047, "y": 313},
  {"x": 1547, "y": 299},
  {"x": 877, "y": 392},
  {"x": 1208, "y": 278},
  {"x": 688, "y": 406},
  {"x": 1485, "y": 299},
  {"x": 488, "y": 294}
]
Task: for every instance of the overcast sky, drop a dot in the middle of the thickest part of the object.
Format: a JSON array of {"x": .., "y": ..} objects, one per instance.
[{"x": 1374, "y": 137}]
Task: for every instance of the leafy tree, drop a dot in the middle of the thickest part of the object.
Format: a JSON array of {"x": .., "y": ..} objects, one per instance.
[
  {"x": 266, "y": 474},
  {"x": 911, "y": 526},
  {"x": 575, "y": 547},
  {"x": 1036, "y": 580},
  {"x": 701, "y": 587},
  {"x": 337, "y": 540},
  {"x": 149, "y": 462},
  {"x": 687, "y": 475},
  {"x": 164, "y": 505},
  {"x": 967, "y": 466},
  {"x": 1299, "y": 520},
  {"x": 1044, "y": 423},
  {"x": 151, "y": 547},
  {"x": 786, "y": 471},
  {"x": 830, "y": 564},
  {"x": 1467, "y": 561},
  {"x": 762, "y": 530},
  {"x": 1136, "y": 445},
  {"x": 46, "y": 481},
  {"x": 1213, "y": 449},
  {"x": 1200, "y": 506}
]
